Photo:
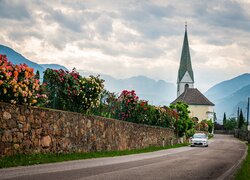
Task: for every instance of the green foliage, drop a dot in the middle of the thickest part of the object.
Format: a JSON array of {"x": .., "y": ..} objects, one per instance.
[
  {"x": 210, "y": 126},
  {"x": 243, "y": 172},
  {"x": 205, "y": 125},
  {"x": 128, "y": 107},
  {"x": 241, "y": 120},
  {"x": 210, "y": 136},
  {"x": 190, "y": 132},
  {"x": 37, "y": 76},
  {"x": 184, "y": 124},
  {"x": 202, "y": 126},
  {"x": 224, "y": 119},
  {"x": 89, "y": 93},
  {"x": 69, "y": 91},
  {"x": 230, "y": 124},
  {"x": 215, "y": 117},
  {"x": 30, "y": 159},
  {"x": 107, "y": 105}
]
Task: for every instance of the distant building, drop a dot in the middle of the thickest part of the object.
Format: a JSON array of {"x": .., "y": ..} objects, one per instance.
[{"x": 200, "y": 107}]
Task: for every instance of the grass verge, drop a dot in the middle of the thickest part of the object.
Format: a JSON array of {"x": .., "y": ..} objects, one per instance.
[
  {"x": 244, "y": 171},
  {"x": 31, "y": 159},
  {"x": 210, "y": 136}
]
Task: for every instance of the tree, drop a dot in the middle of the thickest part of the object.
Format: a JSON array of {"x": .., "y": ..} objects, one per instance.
[
  {"x": 184, "y": 124},
  {"x": 224, "y": 119},
  {"x": 231, "y": 123},
  {"x": 241, "y": 119},
  {"x": 215, "y": 118},
  {"x": 210, "y": 126},
  {"x": 37, "y": 76}
]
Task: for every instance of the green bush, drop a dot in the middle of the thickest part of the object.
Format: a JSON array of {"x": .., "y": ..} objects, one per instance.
[
  {"x": 184, "y": 125},
  {"x": 210, "y": 126},
  {"x": 231, "y": 124},
  {"x": 205, "y": 125},
  {"x": 69, "y": 91},
  {"x": 128, "y": 107}
]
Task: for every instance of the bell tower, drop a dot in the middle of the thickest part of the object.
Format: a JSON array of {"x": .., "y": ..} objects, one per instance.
[{"x": 185, "y": 77}]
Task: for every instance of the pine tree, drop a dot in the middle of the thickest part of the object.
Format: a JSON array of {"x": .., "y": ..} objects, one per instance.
[
  {"x": 215, "y": 118},
  {"x": 37, "y": 76},
  {"x": 241, "y": 119},
  {"x": 224, "y": 119}
]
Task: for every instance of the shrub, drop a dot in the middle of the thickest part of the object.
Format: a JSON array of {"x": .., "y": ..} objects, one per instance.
[
  {"x": 184, "y": 124},
  {"x": 128, "y": 107},
  {"x": 90, "y": 92},
  {"x": 69, "y": 91},
  {"x": 107, "y": 106},
  {"x": 18, "y": 84},
  {"x": 205, "y": 125},
  {"x": 230, "y": 124},
  {"x": 202, "y": 126},
  {"x": 210, "y": 126}
]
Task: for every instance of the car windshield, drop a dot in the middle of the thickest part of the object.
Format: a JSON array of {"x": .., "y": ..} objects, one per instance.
[{"x": 199, "y": 136}]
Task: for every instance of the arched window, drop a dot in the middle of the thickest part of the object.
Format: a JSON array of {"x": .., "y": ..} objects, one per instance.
[{"x": 186, "y": 86}]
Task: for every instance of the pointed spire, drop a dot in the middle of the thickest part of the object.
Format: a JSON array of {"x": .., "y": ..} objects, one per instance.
[{"x": 185, "y": 64}]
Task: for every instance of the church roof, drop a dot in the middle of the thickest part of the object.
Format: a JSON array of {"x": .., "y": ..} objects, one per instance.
[
  {"x": 185, "y": 64},
  {"x": 192, "y": 96}
]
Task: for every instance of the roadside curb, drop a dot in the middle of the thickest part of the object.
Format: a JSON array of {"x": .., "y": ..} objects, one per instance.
[{"x": 229, "y": 174}]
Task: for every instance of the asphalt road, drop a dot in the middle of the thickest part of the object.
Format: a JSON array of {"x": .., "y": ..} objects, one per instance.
[{"x": 218, "y": 161}]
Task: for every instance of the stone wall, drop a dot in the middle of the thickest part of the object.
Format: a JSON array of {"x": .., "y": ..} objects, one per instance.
[{"x": 26, "y": 129}]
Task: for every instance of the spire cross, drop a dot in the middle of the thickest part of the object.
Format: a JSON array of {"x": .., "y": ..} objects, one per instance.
[{"x": 185, "y": 25}]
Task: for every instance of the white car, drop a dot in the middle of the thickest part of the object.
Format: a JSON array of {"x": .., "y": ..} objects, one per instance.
[{"x": 199, "y": 139}]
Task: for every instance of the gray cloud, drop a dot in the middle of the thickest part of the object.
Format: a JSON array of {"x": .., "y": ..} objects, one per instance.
[
  {"x": 146, "y": 50},
  {"x": 150, "y": 19},
  {"x": 13, "y": 10},
  {"x": 112, "y": 32},
  {"x": 223, "y": 14},
  {"x": 103, "y": 25},
  {"x": 71, "y": 21}
]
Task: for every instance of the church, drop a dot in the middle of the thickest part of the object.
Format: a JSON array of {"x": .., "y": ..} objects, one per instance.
[{"x": 199, "y": 106}]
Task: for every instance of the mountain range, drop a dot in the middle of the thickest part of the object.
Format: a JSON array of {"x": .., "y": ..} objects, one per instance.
[
  {"x": 227, "y": 95},
  {"x": 17, "y": 58},
  {"x": 156, "y": 92},
  {"x": 230, "y": 95}
]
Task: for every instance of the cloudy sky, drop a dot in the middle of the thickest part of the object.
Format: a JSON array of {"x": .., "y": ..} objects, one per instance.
[{"x": 125, "y": 38}]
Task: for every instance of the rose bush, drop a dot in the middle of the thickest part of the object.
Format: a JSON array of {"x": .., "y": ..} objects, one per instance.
[
  {"x": 18, "y": 84},
  {"x": 205, "y": 125},
  {"x": 128, "y": 107},
  {"x": 70, "y": 91}
]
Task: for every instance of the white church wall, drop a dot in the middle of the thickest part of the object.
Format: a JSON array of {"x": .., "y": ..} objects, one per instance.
[{"x": 201, "y": 112}]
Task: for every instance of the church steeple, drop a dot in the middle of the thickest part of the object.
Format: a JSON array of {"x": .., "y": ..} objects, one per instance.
[{"x": 185, "y": 74}]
